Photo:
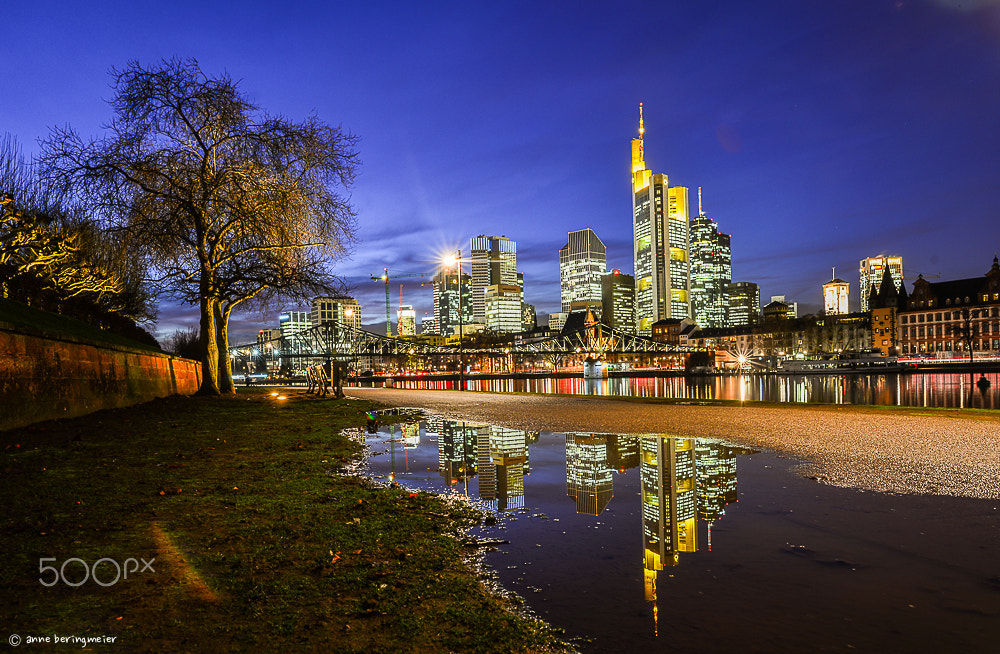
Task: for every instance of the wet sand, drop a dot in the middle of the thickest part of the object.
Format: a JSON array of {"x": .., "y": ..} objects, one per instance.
[{"x": 912, "y": 453}]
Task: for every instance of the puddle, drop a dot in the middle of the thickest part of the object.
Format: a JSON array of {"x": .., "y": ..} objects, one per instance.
[{"x": 673, "y": 544}]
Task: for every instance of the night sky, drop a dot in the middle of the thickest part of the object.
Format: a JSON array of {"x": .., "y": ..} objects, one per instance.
[{"x": 820, "y": 132}]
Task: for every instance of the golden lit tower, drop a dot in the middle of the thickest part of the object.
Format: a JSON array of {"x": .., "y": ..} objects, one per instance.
[{"x": 661, "y": 243}]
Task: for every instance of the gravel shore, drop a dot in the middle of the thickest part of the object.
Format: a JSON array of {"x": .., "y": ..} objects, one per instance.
[{"x": 909, "y": 452}]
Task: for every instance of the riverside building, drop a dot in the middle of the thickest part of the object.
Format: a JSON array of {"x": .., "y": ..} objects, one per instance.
[{"x": 952, "y": 319}]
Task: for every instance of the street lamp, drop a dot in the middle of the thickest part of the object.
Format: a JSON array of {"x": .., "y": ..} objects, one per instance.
[{"x": 450, "y": 261}]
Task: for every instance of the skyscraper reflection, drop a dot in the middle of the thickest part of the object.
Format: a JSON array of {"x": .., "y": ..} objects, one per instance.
[{"x": 588, "y": 472}]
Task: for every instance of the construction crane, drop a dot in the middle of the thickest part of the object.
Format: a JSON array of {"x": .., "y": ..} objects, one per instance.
[{"x": 385, "y": 277}]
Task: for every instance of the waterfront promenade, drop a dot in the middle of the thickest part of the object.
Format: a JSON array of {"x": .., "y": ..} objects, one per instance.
[{"x": 918, "y": 451}]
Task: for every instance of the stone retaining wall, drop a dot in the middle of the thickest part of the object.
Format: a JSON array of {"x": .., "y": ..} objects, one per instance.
[{"x": 43, "y": 377}]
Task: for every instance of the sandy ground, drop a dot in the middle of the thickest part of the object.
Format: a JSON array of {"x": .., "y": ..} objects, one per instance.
[{"x": 877, "y": 450}]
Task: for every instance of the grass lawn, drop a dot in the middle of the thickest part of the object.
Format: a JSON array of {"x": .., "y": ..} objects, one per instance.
[{"x": 259, "y": 544}]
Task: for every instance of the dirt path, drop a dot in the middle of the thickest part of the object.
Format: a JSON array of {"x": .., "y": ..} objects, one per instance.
[{"x": 873, "y": 450}]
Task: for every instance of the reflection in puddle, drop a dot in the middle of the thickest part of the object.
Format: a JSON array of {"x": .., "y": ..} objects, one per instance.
[
  {"x": 610, "y": 536},
  {"x": 683, "y": 480}
]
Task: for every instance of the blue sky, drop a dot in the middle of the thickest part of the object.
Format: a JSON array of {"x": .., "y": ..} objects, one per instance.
[{"x": 820, "y": 132}]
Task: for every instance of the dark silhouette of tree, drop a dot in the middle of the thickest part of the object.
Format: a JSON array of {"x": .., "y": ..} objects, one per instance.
[
  {"x": 204, "y": 185},
  {"x": 184, "y": 343},
  {"x": 964, "y": 330}
]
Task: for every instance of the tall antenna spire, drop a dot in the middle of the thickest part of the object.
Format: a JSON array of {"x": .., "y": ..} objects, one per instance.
[
  {"x": 640, "y": 175},
  {"x": 700, "y": 212}
]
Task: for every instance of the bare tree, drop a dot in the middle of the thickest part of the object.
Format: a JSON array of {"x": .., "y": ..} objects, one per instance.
[
  {"x": 184, "y": 343},
  {"x": 198, "y": 179},
  {"x": 964, "y": 330}
]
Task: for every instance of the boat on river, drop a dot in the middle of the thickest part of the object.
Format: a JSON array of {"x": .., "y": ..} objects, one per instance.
[{"x": 846, "y": 362}]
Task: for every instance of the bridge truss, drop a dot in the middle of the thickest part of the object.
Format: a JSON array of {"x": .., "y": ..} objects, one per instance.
[{"x": 336, "y": 341}]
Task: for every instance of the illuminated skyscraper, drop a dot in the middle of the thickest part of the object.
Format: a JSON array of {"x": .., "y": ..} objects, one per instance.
[
  {"x": 870, "y": 273},
  {"x": 711, "y": 271},
  {"x": 446, "y": 301},
  {"x": 503, "y": 309},
  {"x": 291, "y": 323},
  {"x": 744, "y": 304},
  {"x": 494, "y": 262},
  {"x": 582, "y": 262},
  {"x": 268, "y": 337},
  {"x": 406, "y": 318},
  {"x": 342, "y": 309},
  {"x": 660, "y": 236},
  {"x": 618, "y": 301}
]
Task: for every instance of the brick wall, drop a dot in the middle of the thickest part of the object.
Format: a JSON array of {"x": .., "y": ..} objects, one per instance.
[{"x": 42, "y": 378}]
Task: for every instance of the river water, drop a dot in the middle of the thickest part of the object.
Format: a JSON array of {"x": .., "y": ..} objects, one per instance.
[
  {"x": 955, "y": 390},
  {"x": 660, "y": 544}
]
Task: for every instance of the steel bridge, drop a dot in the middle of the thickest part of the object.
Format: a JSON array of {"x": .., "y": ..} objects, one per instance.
[{"x": 337, "y": 341}]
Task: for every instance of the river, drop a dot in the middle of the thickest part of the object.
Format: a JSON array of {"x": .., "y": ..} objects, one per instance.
[{"x": 948, "y": 390}]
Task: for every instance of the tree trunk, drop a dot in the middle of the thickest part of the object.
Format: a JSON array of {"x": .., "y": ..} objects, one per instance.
[
  {"x": 210, "y": 349},
  {"x": 226, "y": 385}
]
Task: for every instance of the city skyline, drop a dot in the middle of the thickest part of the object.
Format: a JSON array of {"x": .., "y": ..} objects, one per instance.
[{"x": 820, "y": 134}]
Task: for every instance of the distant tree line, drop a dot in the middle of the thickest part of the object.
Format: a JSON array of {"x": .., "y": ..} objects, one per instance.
[{"x": 52, "y": 257}]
